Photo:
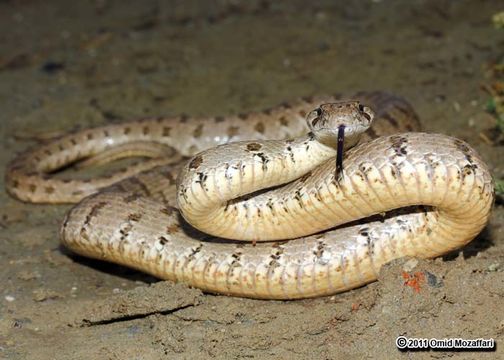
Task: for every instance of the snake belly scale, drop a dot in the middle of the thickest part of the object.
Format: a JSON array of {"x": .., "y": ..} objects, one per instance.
[{"x": 435, "y": 191}]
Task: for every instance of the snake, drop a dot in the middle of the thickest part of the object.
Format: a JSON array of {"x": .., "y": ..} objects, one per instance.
[{"x": 254, "y": 205}]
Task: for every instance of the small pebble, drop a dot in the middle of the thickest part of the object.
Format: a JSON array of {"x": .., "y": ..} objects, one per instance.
[
  {"x": 9, "y": 298},
  {"x": 456, "y": 106},
  {"x": 493, "y": 267},
  {"x": 410, "y": 265}
]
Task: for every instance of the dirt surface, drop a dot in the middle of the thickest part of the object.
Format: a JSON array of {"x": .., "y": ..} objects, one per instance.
[{"x": 103, "y": 61}]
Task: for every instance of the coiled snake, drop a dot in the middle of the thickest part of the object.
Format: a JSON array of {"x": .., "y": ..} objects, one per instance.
[{"x": 408, "y": 194}]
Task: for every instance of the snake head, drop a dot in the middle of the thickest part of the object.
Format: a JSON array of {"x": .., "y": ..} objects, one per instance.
[{"x": 325, "y": 121}]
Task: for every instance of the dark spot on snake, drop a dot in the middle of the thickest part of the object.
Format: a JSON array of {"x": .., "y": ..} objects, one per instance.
[
  {"x": 95, "y": 209},
  {"x": 273, "y": 264},
  {"x": 364, "y": 232},
  {"x": 196, "y": 162},
  {"x": 317, "y": 196},
  {"x": 259, "y": 127},
  {"x": 298, "y": 198},
  {"x": 283, "y": 121},
  {"x": 393, "y": 173},
  {"x": 464, "y": 149},
  {"x": 277, "y": 255},
  {"x": 49, "y": 189},
  {"x": 243, "y": 116},
  {"x": 232, "y": 131},
  {"x": 219, "y": 119},
  {"x": 83, "y": 233},
  {"x": 468, "y": 170},
  {"x": 73, "y": 141},
  {"x": 264, "y": 160},
  {"x": 285, "y": 105},
  {"x": 106, "y": 133},
  {"x": 183, "y": 118},
  {"x": 365, "y": 169},
  {"x": 305, "y": 177},
  {"x": 201, "y": 178},
  {"x": 126, "y": 130},
  {"x": 267, "y": 111},
  {"x": 47, "y": 152},
  {"x": 291, "y": 154},
  {"x": 163, "y": 241},
  {"x": 198, "y": 131},
  {"x": 169, "y": 176},
  {"x": 399, "y": 145},
  {"x": 134, "y": 217},
  {"x": 145, "y": 130},
  {"x": 254, "y": 146},
  {"x": 77, "y": 192},
  {"x": 269, "y": 204},
  {"x": 166, "y": 131},
  {"x": 32, "y": 188},
  {"x": 320, "y": 249},
  {"x": 315, "y": 121},
  {"x": 302, "y": 113},
  {"x": 390, "y": 119},
  {"x": 194, "y": 251},
  {"x": 140, "y": 185},
  {"x": 125, "y": 231}
]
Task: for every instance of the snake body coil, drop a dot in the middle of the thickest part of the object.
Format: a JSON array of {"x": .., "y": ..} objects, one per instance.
[{"x": 435, "y": 191}]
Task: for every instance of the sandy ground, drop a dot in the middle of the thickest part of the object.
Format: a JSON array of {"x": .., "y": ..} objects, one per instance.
[{"x": 104, "y": 61}]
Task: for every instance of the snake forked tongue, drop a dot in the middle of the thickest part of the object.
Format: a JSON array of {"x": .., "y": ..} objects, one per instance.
[{"x": 339, "y": 151}]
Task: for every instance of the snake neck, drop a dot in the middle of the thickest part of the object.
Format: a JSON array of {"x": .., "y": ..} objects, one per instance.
[{"x": 214, "y": 184}]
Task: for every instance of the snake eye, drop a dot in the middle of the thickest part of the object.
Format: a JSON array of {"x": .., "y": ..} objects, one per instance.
[
  {"x": 361, "y": 107},
  {"x": 318, "y": 111}
]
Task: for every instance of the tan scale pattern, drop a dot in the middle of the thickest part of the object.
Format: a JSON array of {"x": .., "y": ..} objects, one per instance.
[{"x": 442, "y": 188}]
